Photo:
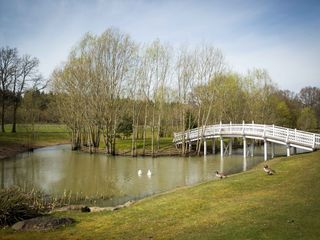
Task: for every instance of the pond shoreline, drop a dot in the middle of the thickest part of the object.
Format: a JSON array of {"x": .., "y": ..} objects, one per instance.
[
  {"x": 13, "y": 149},
  {"x": 161, "y": 153},
  {"x": 114, "y": 179}
]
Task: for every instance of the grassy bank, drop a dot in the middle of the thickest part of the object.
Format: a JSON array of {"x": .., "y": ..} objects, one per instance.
[
  {"x": 39, "y": 135},
  {"x": 28, "y": 137},
  {"x": 250, "y": 205},
  {"x": 166, "y": 147}
]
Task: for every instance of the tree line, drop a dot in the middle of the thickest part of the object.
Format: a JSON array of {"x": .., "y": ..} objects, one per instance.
[
  {"x": 109, "y": 80},
  {"x": 111, "y": 86},
  {"x": 17, "y": 74}
]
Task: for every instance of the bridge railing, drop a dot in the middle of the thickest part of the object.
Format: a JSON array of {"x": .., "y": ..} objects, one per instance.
[{"x": 276, "y": 133}]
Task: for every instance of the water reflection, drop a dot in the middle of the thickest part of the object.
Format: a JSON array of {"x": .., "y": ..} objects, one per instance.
[
  {"x": 222, "y": 164},
  {"x": 58, "y": 169},
  {"x": 244, "y": 164}
]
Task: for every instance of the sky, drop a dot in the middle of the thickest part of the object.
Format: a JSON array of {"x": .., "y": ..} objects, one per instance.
[{"x": 282, "y": 37}]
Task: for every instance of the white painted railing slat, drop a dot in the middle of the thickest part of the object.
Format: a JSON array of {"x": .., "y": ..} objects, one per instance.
[{"x": 286, "y": 135}]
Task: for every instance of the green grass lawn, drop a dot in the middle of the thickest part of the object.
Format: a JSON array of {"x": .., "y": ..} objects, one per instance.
[
  {"x": 249, "y": 205},
  {"x": 44, "y": 134},
  {"x": 124, "y": 145},
  {"x": 52, "y": 128}
]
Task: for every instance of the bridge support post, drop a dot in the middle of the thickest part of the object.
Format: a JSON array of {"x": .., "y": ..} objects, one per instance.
[
  {"x": 265, "y": 150},
  {"x": 230, "y": 147},
  {"x": 213, "y": 146},
  {"x": 244, "y": 148},
  {"x": 244, "y": 164},
  {"x": 272, "y": 150},
  {"x": 221, "y": 164},
  {"x": 190, "y": 146},
  {"x": 221, "y": 146},
  {"x": 205, "y": 147},
  {"x": 288, "y": 150}
]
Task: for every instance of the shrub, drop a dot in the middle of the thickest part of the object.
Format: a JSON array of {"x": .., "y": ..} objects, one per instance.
[{"x": 17, "y": 204}]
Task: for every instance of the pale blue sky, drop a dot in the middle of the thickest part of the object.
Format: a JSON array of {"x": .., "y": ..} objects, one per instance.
[{"x": 280, "y": 36}]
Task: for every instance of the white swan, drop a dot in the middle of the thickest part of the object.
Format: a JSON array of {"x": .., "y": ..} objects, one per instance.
[
  {"x": 139, "y": 172},
  {"x": 149, "y": 173}
]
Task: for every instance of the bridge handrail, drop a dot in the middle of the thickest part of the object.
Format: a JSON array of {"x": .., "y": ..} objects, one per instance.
[{"x": 279, "y": 133}]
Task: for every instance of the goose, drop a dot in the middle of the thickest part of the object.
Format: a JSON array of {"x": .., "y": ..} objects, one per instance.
[
  {"x": 139, "y": 172},
  {"x": 149, "y": 173},
  {"x": 268, "y": 170},
  {"x": 220, "y": 175}
]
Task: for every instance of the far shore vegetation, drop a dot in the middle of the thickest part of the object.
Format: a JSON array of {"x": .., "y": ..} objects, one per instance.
[{"x": 29, "y": 137}]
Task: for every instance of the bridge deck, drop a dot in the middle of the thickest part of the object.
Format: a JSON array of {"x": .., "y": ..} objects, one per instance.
[{"x": 271, "y": 133}]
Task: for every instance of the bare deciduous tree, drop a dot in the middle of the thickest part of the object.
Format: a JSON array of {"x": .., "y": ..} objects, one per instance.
[
  {"x": 8, "y": 61},
  {"x": 185, "y": 70},
  {"x": 25, "y": 73},
  {"x": 16, "y": 75},
  {"x": 91, "y": 84}
]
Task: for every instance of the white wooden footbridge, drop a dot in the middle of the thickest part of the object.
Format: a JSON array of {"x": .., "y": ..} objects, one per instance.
[{"x": 291, "y": 138}]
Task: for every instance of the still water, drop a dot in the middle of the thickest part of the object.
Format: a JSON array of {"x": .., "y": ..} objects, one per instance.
[{"x": 57, "y": 170}]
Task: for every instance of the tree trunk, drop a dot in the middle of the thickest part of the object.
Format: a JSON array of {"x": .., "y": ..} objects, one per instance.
[
  {"x": 14, "y": 120},
  {"x": 152, "y": 134},
  {"x": 114, "y": 135},
  {"x": 2, "y": 115},
  {"x": 183, "y": 144},
  {"x": 159, "y": 130},
  {"x": 144, "y": 131},
  {"x": 203, "y": 127},
  {"x": 114, "y": 142},
  {"x": 106, "y": 138},
  {"x": 199, "y": 124},
  {"x": 133, "y": 137},
  {"x": 135, "y": 143},
  {"x": 76, "y": 139}
]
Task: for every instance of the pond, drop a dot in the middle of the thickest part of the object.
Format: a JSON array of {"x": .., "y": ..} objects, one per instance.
[{"x": 112, "y": 180}]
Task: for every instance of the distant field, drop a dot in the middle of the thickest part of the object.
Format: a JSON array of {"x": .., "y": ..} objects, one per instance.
[
  {"x": 44, "y": 128},
  {"x": 44, "y": 134}
]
